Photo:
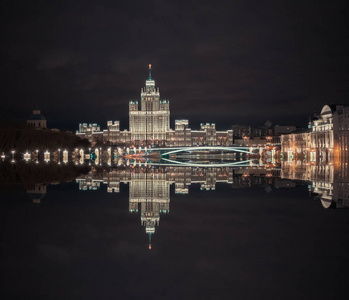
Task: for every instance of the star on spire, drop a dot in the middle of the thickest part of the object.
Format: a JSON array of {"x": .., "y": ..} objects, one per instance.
[
  {"x": 149, "y": 234},
  {"x": 149, "y": 72}
]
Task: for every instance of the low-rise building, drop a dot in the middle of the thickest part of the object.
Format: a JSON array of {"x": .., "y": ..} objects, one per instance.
[
  {"x": 326, "y": 139},
  {"x": 37, "y": 120}
]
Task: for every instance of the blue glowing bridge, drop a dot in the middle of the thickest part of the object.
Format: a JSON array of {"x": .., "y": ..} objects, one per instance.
[{"x": 173, "y": 150}]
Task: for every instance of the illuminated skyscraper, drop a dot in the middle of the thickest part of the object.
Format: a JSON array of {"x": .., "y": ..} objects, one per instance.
[{"x": 149, "y": 124}]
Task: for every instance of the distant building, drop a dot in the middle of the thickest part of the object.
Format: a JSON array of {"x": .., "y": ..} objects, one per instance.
[
  {"x": 251, "y": 141},
  {"x": 259, "y": 136},
  {"x": 37, "y": 120},
  {"x": 91, "y": 132},
  {"x": 240, "y": 131},
  {"x": 279, "y": 130},
  {"x": 326, "y": 139}
]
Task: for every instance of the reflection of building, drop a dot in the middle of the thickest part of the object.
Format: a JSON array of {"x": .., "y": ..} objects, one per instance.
[
  {"x": 36, "y": 120},
  {"x": 343, "y": 186},
  {"x": 296, "y": 170},
  {"x": 37, "y": 192},
  {"x": 343, "y": 132},
  {"x": 332, "y": 185},
  {"x": 330, "y": 182},
  {"x": 149, "y": 124},
  {"x": 149, "y": 188}
]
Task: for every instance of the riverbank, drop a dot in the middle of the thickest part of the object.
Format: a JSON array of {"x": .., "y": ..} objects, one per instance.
[{"x": 22, "y": 138}]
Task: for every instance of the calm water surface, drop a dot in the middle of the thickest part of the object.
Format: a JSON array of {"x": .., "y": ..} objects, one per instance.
[{"x": 214, "y": 233}]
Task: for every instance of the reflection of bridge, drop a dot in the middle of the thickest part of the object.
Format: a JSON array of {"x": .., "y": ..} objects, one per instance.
[
  {"x": 171, "y": 162},
  {"x": 173, "y": 150}
]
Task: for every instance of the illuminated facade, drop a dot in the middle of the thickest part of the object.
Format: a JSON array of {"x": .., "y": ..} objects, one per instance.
[
  {"x": 324, "y": 132},
  {"x": 296, "y": 145},
  {"x": 327, "y": 138},
  {"x": 149, "y": 125},
  {"x": 184, "y": 136},
  {"x": 325, "y": 153},
  {"x": 151, "y": 122}
]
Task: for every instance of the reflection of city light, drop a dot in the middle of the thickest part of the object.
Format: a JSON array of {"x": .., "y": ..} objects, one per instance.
[{"x": 26, "y": 156}]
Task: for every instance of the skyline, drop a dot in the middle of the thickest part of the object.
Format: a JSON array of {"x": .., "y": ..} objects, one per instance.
[{"x": 225, "y": 63}]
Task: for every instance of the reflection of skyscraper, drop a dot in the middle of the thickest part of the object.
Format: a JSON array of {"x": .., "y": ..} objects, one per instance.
[
  {"x": 149, "y": 187},
  {"x": 152, "y": 121},
  {"x": 151, "y": 190}
]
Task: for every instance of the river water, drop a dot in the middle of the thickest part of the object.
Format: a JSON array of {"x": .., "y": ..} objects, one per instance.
[{"x": 272, "y": 231}]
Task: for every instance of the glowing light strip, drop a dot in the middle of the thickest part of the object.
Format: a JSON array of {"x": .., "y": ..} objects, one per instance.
[
  {"x": 182, "y": 149},
  {"x": 238, "y": 163}
]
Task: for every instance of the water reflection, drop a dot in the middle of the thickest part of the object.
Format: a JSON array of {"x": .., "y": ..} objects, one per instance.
[
  {"x": 329, "y": 182},
  {"x": 36, "y": 192},
  {"x": 205, "y": 226},
  {"x": 150, "y": 179}
]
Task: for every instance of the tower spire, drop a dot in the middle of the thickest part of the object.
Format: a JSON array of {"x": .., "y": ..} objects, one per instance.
[
  {"x": 149, "y": 72},
  {"x": 149, "y": 235}
]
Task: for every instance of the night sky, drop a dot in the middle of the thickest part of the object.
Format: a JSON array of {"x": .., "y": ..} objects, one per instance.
[{"x": 225, "y": 62}]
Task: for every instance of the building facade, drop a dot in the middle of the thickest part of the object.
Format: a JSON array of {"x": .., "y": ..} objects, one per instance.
[
  {"x": 327, "y": 138},
  {"x": 150, "y": 122},
  {"x": 37, "y": 120},
  {"x": 149, "y": 125}
]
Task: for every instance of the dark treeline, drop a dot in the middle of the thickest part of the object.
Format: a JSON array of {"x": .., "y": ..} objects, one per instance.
[
  {"x": 28, "y": 174},
  {"x": 22, "y": 138}
]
